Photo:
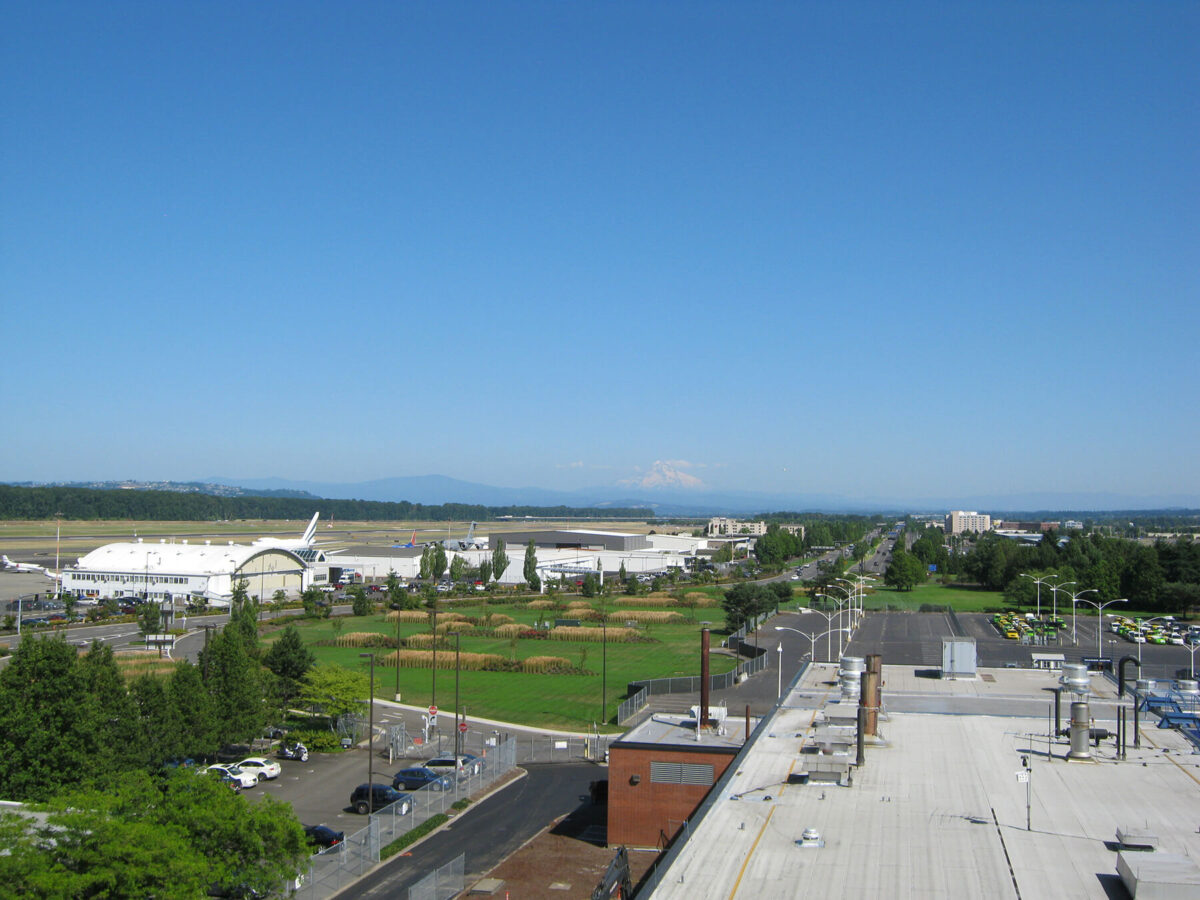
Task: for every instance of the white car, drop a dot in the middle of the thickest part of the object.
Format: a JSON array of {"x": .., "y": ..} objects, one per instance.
[
  {"x": 262, "y": 767},
  {"x": 245, "y": 778}
]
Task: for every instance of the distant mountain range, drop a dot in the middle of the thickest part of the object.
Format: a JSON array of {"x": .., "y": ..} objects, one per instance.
[{"x": 666, "y": 500}]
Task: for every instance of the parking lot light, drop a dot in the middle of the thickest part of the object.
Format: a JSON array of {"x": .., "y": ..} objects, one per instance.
[{"x": 371, "y": 735}]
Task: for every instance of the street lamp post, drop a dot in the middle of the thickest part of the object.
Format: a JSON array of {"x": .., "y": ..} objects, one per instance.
[
  {"x": 1039, "y": 582},
  {"x": 840, "y": 605},
  {"x": 1142, "y": 637},
  {"x": 457, "y": 668},
  {"x": 371, "y": 736},
  {"x": 1075, "y": 599},
  {"x": 828, "y": 621},
  {"x": 1100, "y": 619},
  {"x": 603, "y": 666},
  {"x": 1054, "y": 589},
  {"x": 779, "y": 674},
  {"x": 812, "y": 639}
]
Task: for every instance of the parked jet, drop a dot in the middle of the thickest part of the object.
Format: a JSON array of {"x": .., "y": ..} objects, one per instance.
[
  {"x": 412, "y": 542},
  {"x": 305, "y": 541},
  {"x": 10, "y": 566},
  {"x": 470, "y": 542}
]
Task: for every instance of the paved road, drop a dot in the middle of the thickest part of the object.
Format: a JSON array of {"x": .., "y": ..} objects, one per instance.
[{"x": 489, "y": 831}]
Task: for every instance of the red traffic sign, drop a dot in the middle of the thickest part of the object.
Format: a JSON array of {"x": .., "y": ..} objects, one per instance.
[
  {"x": 462, "y": 726},
  {"x": 433, "y": 710}
]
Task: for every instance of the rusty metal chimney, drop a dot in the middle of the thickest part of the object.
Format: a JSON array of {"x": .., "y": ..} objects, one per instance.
[
  {"x": 703, "y": 718},
  {"x": 871, "y": 694}
]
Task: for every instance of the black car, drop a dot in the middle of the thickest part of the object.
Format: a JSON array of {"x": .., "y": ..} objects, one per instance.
[
  {"x": 374, "y": 797},
  {"x": 416, "y": 778},
  {"x": 323, "y": 836}
]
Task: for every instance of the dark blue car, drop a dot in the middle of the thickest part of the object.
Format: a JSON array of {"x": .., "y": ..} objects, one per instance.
[{"x": 416, "y": 778}]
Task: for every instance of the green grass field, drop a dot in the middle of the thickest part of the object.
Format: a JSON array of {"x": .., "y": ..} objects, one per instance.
[
  {"x": 959, "y": 598},
  {"x": 571, "y": 702}
]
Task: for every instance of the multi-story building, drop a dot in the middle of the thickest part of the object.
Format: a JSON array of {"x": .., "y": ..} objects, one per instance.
[
  {"x": 958, "y": 521},
  {"x": 721, "y": 525}
]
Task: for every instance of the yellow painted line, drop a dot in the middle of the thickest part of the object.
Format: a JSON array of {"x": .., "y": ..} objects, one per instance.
[
  {"x": 1178, "y": 765},
  {"x": 753, "y": 846}
]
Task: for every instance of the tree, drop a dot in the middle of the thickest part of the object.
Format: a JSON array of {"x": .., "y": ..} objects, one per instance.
[
  {"x": 437, "y": 562},
  {"x": 426, "y": 563},
  {"x": 170, "y": 835},
  {"x": 591, "y": 585},
  {"x": 904, "y": 572},
  {"x": 289, "y": 661},
  {"x": 337, "y": 690},
  {"x": 360, "y": 603},
  {"x": 530, "y": 568},
  {"x": 233, "y": 679},
  {"x": 499, "y": 560},
  {"x": 485, "y": 571},
  {"x": 457, "y": 566},
  {"x": 395, "y": 593},
  {"x": 279, "y": 598},
  {"x": 743, "y": 602},
  {"x": 622, "y": 574},
  {"x": 199, "y": 729},
  {"x": 148, "y": 618}
]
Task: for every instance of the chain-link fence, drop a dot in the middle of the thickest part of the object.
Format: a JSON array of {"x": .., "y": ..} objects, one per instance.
[
  {"x": 640, "y": 692},
  {"x": 443, "y": 883},
  {"x": 342, "y": 864}
]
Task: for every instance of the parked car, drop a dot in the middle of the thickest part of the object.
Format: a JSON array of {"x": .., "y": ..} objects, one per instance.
[
  {"x": 374, "y": 797},
  {"x": 247, "y": 779},
  {"x": 323, "y": 836},
  {"x": 418, "y": 777},
  {"x": 264, "y": 768},
  {"x": 461, "y": 766}
]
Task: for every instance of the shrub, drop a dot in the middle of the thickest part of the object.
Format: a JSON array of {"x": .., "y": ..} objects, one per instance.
[
  {"x": 318, "y": 741},
  {"x": 533, "y": 634}
]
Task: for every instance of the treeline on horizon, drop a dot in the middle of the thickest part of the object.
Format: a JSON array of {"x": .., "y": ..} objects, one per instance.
[{"x": 166, "y": 506}]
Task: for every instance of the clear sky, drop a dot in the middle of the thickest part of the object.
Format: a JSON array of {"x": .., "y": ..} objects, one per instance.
[{"x": 885, "y": 249}]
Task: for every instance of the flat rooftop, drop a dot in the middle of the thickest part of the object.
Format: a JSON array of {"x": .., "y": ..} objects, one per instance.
[
  {"x": 937, "y": 810},
  {"x": 665, "y": 729}
]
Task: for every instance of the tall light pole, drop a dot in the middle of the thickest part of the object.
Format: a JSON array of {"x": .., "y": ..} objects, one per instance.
[
  {"x": 457, "y": 733},
  {"x": 840, "y": 605},
  {"x": 603, "y": 665},
  {"x": 812, "y": 639},
  {"x": 1100, "y": 621},
  {"x": 1075, "y": 599},
  {"x": 371, "y": 735},
  {"x": 1142, "y": 637},
  {"x": 828, "y": 621},
  {"x": 1039, "y": 582},
  {"x": 1054, "y": 589}
]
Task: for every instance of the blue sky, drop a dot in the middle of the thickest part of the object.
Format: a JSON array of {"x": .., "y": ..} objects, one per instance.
[{"x": 869, "y": 249}]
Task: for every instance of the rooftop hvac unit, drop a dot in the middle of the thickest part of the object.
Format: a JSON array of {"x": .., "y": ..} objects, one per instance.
[
  {"x": 716, "y": 714},
  {"x": 958, "y": 657}
]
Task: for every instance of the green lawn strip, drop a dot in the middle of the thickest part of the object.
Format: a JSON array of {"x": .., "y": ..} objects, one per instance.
[
  {"x": 958, "y": 598},
  {"x": 411, "y": 837},
  {"x": 570, "y": 702}
]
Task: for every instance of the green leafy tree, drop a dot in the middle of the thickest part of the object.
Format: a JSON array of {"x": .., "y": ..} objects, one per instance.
[
  {"x": 437, "y": 562},
  {"x": 530, "y": 569},
  {"x": 234, "y": 681},
  {"x": 279, "y": 598},
  {"x": 148, "y": 618},
  {"x": 395, "y": 593},
  {"x": 360, "y": 603},
  {"x": 311, "y": 597},
  {"x": 337, "y": 690},
  {"x": 743, "y": 602},
  {"x": 591, "y": 585},
  {"x": 200, "y": 733},
  {"x": 499, "y": 560},
  {"x": 289, "y": 661},
  {"x": 485, "y": 571},
  {"x": 622, "y": 574},
  {"x": 458, "y": 566},
  {"x": 904, "y": 572},
  {"x": 426, "y": 563}
]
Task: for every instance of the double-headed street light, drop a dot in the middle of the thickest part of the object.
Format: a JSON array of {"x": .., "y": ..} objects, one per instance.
[
  {"x": 828, "y": 621},
  {"x": 1039, "y": 582},
  {"x": 1054, "y": 589},
  {"x": 1100, "y": 620},
  {"x": 840, "y": 604},
  {"x": 1075, "y": 599},
  {"x": 812, "y": 639}
]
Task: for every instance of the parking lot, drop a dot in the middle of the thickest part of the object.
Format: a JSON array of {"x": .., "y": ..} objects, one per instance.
[{"x": 916, "y": 639}]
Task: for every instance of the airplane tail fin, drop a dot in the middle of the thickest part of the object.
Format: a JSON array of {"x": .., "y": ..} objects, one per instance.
[
  {"x": 470, "y": 532},
  {"x": 412, "y": 541},
  {"x": 7, "y": 562},
  {"x": 311, "y": 530}
]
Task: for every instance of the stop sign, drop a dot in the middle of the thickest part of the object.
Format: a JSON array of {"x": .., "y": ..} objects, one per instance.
[
  {"x": 462, "y": 726},
  {"x": 433, "y": 710}
]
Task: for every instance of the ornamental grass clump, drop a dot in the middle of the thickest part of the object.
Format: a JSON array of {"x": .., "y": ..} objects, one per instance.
[
  {"x": 546, "y": 665},
  {"x": 364, "y": 639},
  {"x": 646, "y": 601},
  {"x": 423, "y": 659},
  {"x": 645, "y": 617},
  {"x": 540, "y": 604},
  {"x": 595, "y": 635},
  {"x": 408, "y": 615},
  {"x": 698, "y": 598},
  {"x": 509, "y": 630}
]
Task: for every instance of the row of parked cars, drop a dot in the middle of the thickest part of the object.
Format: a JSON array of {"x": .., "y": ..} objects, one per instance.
[
  {"x": 437, "y": 774},
  {"x": 1163, "y": 631}
]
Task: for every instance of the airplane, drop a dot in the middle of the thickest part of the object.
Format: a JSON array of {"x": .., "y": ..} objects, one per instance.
[
  {"x": 10, "y": 566},
  {"x": 412, "y": 542},
  {"x": 306, "y": 540},
  {"x": 470, "y": 542}
]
